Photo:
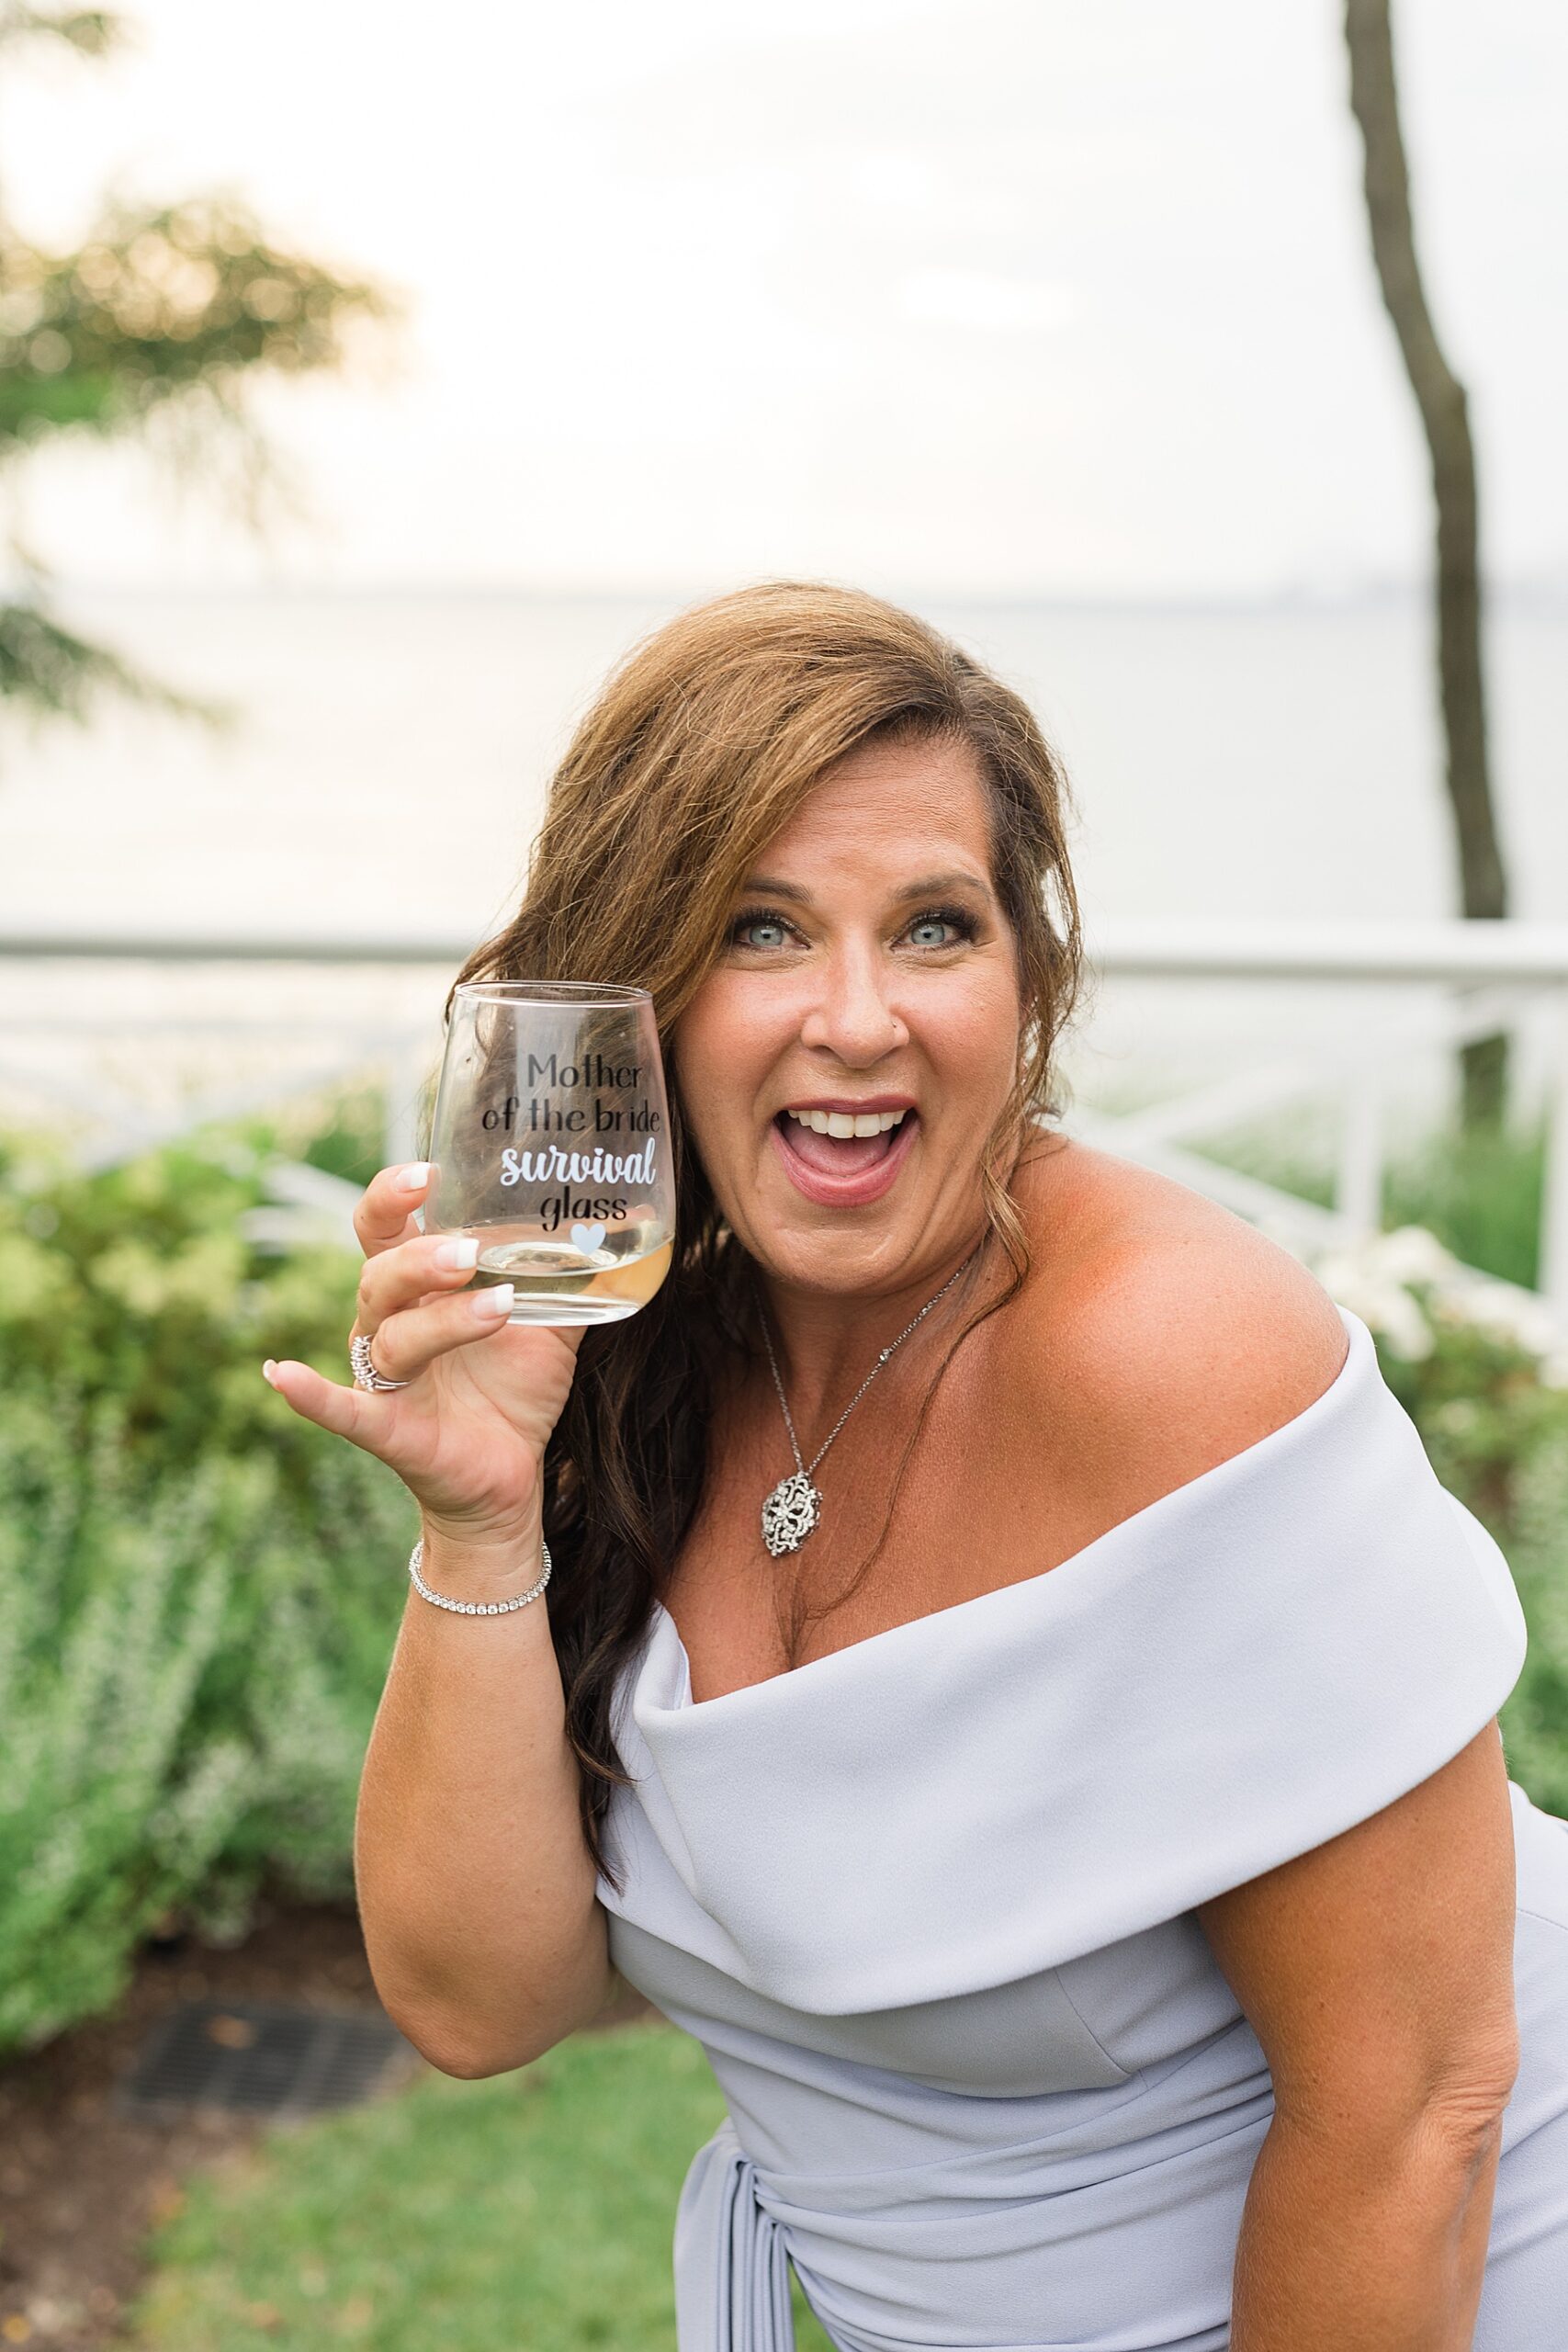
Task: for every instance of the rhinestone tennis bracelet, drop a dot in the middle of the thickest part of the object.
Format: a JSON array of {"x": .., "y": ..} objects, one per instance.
[{"x": 477, "y": 1608}]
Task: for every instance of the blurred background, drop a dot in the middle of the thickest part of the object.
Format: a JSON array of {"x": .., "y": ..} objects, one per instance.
[{"x": 367, "y": 385}]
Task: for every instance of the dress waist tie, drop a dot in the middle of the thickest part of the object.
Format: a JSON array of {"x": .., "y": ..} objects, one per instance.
[{"x": 731, "y": 2263}]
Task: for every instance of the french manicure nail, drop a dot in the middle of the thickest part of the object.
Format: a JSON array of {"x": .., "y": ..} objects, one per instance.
[
  {"x": 268, "y": 1368},
  {"x": 495, "y": 1301},
  {"x": 457, "y": 1253},
  {"x": 411, "y": 1178}
]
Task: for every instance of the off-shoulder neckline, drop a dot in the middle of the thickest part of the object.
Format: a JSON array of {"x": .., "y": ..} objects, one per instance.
[{"x": 1360, "y": 1346}]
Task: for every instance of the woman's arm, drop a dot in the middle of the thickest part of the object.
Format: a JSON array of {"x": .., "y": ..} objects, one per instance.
[
  {"x": 477, "y": 1891},
  {"x": 1343, "y": 2247},
  {"x": 1377, "y": 1969},
  {"x": 1377, "y": 1973}
]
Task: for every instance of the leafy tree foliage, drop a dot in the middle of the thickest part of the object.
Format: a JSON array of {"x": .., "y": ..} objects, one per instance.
[{"x": 156, "y": 329}]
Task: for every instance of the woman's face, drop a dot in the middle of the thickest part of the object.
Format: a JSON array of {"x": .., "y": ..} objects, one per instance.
[{"x": 868, "y": 980}]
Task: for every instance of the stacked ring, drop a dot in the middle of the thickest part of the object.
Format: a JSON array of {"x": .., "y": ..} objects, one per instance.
[{"x": 365, "y": 1373}]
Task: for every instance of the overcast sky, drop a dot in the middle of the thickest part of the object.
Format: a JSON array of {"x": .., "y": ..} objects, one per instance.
[{"x": 951, "y": 298}]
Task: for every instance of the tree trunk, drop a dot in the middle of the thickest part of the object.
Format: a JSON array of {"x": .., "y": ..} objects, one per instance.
[{"x": 1446, "y": 420}]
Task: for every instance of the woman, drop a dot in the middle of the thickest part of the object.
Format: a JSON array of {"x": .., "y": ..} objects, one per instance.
[{"x": 1086, "y": 1852}]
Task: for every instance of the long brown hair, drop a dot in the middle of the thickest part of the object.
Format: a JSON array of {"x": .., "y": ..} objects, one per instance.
[{"x": 703, "y": 742}]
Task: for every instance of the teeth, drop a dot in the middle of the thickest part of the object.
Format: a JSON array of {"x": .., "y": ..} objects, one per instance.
[{"x": 844, "y": 1123}]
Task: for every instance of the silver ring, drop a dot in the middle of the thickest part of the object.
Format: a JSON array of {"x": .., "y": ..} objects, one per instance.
[{"x": 365, "y": 1373}]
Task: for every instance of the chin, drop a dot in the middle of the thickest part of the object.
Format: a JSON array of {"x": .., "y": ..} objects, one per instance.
[{"x": 822, "y": 1251}]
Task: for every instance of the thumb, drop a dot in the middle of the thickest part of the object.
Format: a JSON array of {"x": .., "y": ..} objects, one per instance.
[{"x": 358, "y": 1414}]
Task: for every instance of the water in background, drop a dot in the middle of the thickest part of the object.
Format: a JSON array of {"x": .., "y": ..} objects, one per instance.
[{"x": 392, "y": 752}]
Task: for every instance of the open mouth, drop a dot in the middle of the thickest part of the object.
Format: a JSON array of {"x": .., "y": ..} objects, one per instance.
[{"x": 840, "y": 1157}]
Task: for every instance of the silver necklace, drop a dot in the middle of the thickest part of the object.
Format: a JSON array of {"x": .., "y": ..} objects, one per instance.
[{"x": 794, "y": 1508}]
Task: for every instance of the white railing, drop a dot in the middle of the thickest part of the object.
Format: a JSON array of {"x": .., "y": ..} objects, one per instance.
[
  {"x": 1487, "y": 975},
  {"x": 1479, "y": 976}
]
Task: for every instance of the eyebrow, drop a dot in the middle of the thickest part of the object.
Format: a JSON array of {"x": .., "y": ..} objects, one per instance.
[{"x": 926, "y": 887}]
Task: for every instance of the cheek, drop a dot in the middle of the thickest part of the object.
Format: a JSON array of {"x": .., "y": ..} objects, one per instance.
[
  {"x": 969, "y": 1032},
  {"x": 726, "y": 1043}
]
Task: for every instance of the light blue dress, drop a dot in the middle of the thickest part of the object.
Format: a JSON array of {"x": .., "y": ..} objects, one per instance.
[{"x": 928, "y": 1905}]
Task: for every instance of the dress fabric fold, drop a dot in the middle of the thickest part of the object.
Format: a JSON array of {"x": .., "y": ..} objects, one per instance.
[
  {"x": 928, "y": 1903},
  {"x": 731, "y": 2267}
]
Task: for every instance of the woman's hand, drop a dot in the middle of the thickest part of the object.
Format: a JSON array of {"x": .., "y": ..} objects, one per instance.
[{"x": 468, "y": 1435}]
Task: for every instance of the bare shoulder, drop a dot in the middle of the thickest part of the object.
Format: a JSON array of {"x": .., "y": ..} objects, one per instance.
[{"x": 1165, "y": 1332}]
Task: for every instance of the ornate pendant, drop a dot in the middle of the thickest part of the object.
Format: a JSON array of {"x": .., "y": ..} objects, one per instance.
[{"x": 790, "y": 1513}]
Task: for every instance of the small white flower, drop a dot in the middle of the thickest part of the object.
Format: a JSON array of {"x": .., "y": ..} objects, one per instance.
[
  {"x": 1510, "y": 1314},
  {"x": 1373, "y": 1279},
  {"x": 1411, "y": 1254},
  {"x": 1383, "y": 1306}
]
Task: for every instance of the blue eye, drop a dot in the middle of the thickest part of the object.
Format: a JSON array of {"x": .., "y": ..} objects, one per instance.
[
  {"x": 759, "y": 921},
  {"x": 952, "y": 919}
]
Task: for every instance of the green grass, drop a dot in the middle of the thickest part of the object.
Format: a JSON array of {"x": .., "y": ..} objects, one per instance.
[
  {"x": 529, "y": 2212},
  {"x": 1480, "y": 1194}
]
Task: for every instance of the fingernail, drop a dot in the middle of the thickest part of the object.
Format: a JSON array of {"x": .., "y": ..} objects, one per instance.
[
  {"x": 457, "y": 1253},
  {"x": 496, "y": 1301},
  {"x": 411, "y": 1178},
  {"x": 268, "y": 1368}
]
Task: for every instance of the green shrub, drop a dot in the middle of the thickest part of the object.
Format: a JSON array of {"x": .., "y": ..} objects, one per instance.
[
  {"x": 133, "y": 1291},
  {"x": 1483, "y": 1372},
  {"x": 199, "y": 1592},
  {"x": 188, "y": 1679},
  {"x": 1535, "y": 1720}
]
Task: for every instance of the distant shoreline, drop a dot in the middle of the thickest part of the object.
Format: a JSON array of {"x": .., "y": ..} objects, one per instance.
[{"x": 1548, "y": 598}]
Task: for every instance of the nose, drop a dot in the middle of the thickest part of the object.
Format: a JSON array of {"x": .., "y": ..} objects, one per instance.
[{"x": 849, "y": 1016}]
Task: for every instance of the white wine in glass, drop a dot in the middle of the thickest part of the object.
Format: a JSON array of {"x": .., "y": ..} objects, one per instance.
[{"x": 550, "y": 1146}]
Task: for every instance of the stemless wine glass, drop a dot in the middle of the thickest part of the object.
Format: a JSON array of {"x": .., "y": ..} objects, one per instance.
[{"x": 550, "y": 1146}]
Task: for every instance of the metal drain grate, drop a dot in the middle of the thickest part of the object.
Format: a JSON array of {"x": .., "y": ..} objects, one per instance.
[{"x": 257, "y": 2058}]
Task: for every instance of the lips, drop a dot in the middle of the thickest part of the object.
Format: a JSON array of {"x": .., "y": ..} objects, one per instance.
[{"x": 839, "y": 1171}]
